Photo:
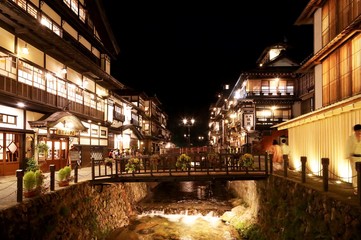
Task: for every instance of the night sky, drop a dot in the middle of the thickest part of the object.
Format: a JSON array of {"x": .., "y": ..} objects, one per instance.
[{"x": 184, "y": 52}]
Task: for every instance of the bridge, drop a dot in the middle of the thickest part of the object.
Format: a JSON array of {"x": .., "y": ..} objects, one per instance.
[{"x": 166, "y": 167}]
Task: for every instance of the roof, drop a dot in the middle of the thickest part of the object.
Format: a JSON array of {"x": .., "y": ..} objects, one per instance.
[
  {"x": 134, "y": 129},
  {"x": 52, "y": 119}
]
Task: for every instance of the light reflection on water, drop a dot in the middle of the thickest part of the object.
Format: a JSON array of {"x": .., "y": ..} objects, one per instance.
[{"x": 181, "y": 211}]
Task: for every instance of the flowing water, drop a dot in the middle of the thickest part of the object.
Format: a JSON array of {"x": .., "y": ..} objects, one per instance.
[{"x": 184, "y": 211}]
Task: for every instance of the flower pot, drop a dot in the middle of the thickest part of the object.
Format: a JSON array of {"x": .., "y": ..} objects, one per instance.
[
  {"x": 63, "y": 183},
  {"x": 31, "y": 193}
]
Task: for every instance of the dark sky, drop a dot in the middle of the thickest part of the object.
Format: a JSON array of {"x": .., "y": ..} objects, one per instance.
[{"x": 184, "y": 52}]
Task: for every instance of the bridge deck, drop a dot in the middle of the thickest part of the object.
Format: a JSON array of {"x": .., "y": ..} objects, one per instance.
[{"x": 202, "y": 167}]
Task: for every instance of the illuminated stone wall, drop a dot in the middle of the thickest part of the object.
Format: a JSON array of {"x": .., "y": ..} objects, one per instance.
[
  {"x": 80, "y": 211},
  {"x": 286, "y": 209}
]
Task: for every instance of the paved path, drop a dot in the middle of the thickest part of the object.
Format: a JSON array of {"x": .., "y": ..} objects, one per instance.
[{"x": 8, "y": 186}]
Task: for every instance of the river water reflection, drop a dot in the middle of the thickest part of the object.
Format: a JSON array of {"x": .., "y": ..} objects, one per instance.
[{"x": 181, "y": 210}]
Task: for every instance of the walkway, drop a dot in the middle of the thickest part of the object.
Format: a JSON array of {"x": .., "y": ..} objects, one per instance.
[{"x": 8, "y": 186}]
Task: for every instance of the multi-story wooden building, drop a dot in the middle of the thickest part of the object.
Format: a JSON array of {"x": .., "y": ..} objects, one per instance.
[
  {"x": 56, "y": 87},
  {"x": 260, "y": 99},
  {"x": 148, "y": 119},
  {"x": 332, "y": 75}
]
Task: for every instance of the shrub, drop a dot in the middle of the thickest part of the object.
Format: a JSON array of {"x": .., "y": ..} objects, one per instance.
[
  {"x": 183, "y": 161},
  {"x": 133, "y": 164},
  {"x": 39, "y": 178},
  {"x": 246, "y": 160},
  {"x": 29, "y": 180},
  {"x": 32, "y": 165},
  {"x": 64, "y": 174}
]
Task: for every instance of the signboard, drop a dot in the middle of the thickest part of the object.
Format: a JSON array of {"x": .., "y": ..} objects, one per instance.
[
  {"x": 248, "y": 121},
  {"x": 74, "y": 156}
]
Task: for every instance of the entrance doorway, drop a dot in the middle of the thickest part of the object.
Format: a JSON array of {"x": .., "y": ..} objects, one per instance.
[
  {"x": 57, "y": 153},
  {"x": 10, "y": 154}
]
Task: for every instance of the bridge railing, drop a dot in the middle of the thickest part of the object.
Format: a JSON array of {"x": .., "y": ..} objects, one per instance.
[{"x": 206, "y": 163}]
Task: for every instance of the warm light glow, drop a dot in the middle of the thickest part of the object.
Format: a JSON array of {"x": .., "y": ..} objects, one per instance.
[
  {"x": 48, "y": 75},
  {"x": 43, "y": 22},
  {"x": 188, "y": 121},
  {"x": 266, "y": 113},
  {"x": 25, "y": 49},
  {"x": 21, "y": 104},
  {"x": 237, "y": 94}
]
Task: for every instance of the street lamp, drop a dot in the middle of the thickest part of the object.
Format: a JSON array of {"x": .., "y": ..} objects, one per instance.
[{"x": 188, "y": 123}]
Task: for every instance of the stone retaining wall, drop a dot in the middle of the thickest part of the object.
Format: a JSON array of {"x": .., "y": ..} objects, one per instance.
[
  {"x": 289, "y": 210},
  {"x": 80, "y": 211},
  {"x": 284, "y": 210}
]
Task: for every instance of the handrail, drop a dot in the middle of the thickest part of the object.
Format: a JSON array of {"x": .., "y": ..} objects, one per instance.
[{"x": 166, "y": 165}]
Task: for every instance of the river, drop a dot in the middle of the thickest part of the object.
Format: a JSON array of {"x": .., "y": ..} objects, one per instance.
[{"x": 181, "y": 211}]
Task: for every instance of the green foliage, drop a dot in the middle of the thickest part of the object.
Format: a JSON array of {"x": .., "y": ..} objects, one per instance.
[
  {"x": 29, "y": 180},
  {"x": 246, "y": 160},
  {"x": 39, "y": 178},
  {"x": 183, "y": 161},
  {"x": 42, "y": 147},
  {"x": 33, "y": 180},
  {"x": 64, "y": 174},
  {"x": 32, "y": 165},
  {"x": 253, "y": 233},
  {"x": 133, "y": 164}
]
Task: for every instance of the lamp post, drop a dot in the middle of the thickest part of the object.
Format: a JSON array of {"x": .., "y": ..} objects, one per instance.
[{"x": 188, "y": 123}]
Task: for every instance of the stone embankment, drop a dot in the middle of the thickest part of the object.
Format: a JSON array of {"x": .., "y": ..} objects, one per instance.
[
  {"x": 284, "y": 209},
  {"x": 80, "y": 211}
]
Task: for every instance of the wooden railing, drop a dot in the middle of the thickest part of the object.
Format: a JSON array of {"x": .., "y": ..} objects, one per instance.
[{"x": 163, "y": 168}]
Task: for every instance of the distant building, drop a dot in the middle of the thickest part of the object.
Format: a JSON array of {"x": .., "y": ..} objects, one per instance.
[{"x": 260, "y": 99}]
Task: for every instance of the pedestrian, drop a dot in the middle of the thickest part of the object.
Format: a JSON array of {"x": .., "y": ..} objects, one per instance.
[
  {"x": 284, "y": 147},
  {"x": 353, "y": 153},
  {"x": 285, "y": 150},
  {"x": 276, "y": 150},
  {"x": 110, "y": 154}
]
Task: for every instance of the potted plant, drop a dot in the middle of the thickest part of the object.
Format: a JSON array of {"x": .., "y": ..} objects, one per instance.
[
  {"x": 33, "y": 183},
  {"x": 64, "y": 176},
  {"x": 42, "y": 149},
  {"x": 32, "y": 165},
  {"x": 246, "y": 160},
  {"x": 132, "y": 165},
  {"x": 183, "y": 162}
]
